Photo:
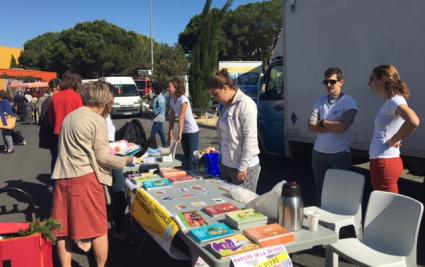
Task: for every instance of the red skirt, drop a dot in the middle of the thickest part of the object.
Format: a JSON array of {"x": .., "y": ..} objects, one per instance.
[{"x": 79, "y": 205}]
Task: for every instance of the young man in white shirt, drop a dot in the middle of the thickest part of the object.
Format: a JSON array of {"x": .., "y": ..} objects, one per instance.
[{"x": 331, "y": 118}]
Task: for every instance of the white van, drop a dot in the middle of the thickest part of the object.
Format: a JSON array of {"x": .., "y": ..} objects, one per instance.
[{"x": 126, "y": 98}]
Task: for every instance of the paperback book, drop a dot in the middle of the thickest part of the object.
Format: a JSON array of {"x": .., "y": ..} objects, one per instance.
[
  {"x": 140, "y": 178},
  {"x": 210, "y": 232},
  {"x": 269, "y": 235},
  {"x": 180, "y": 179},
  {"x": 189, "y": 220},
  {"x": 219, "y": 209},
  {"x": 156, "y": 184},
  {"x": 230, "y": 246},
  {"x": 168, "y": 173},
  {"x": 247, "y": 218}
]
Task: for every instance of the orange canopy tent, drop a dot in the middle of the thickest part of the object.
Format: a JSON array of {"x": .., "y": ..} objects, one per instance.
[{"x": 44, "y": 76}]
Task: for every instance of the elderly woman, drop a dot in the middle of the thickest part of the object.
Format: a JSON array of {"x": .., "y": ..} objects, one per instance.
[
  {"x": 237, "y": 132},
  {"x": 82, "y": 169}
]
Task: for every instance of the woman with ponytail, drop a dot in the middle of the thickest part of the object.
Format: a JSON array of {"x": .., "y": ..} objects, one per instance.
[
  {"x": 394, "y": 122},
  {"x": 237, "y": 132}
]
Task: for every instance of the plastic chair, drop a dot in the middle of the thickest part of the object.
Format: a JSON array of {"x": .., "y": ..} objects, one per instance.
[
  {"x": 390, "y": 233},
  {"x": 341, "y": 201}
]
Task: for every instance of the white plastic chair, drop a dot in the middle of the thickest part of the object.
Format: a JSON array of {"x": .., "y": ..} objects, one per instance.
[
  {"x": 341, "y": 199},
  {"x": 390, "y": 234}
]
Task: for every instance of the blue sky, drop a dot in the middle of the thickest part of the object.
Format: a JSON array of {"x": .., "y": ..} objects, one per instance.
[{"x": 23, "y": 20}]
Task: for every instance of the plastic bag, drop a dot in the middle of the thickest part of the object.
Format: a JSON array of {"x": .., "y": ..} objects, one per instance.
[{"x": 267, "y": 203}]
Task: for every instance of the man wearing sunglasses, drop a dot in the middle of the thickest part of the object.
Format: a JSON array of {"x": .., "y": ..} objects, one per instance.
[{"x": 331, "y": 118}]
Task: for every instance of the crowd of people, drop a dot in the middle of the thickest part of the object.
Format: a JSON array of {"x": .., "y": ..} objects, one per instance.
[{"x": 76, "y": 127}]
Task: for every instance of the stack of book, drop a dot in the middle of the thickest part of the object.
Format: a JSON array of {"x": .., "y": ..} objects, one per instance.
[
  {"x": 210, "y": 232},
  {"x": 156, "y": 184},
  {"x": 139, "y": 178},
  {"x": 230, "y": 246},
  {"x": 219, "y": 209},
  {"x": 176, "y": 175},
  {"x": 269, "y": 235},
  {"x": 244, "y": 219}
]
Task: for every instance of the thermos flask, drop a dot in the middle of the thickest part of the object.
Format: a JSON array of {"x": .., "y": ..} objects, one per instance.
[{"x": 290, "y": 208}]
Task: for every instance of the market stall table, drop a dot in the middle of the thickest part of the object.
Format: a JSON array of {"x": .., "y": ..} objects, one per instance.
[{"x": 171, "y": 201}]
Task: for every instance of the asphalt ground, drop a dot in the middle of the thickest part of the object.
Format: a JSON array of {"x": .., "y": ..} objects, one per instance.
[{"x": 28, "y": 168}]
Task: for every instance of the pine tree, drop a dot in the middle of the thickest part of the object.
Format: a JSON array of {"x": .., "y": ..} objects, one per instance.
[
  {"x": 13, "y": 63},
  {"x": 204, "y": 57}
]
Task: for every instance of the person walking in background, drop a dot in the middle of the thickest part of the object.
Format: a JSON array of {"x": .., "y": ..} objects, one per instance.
[
  {"x": 83, "y": 168},
  {"x": 20, "y": 105},
  {"x": 158, "y": 110},
  {"x": 188, "y": 130},
  {"x": 45, "y": 133},
  {"x": 6, "y": 110},
  {"x": 331, "y": 118},
  {"x": 394, "y": 122},
  {"x": 237, "y": 132},
  {"x": 61, "y": 104}
]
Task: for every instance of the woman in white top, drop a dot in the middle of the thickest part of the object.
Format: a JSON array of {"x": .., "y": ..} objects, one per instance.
[
  {"x": 237, "y": 132},
  {"x": 188, "y": 131},
  {"x": 394, "y": 122}
]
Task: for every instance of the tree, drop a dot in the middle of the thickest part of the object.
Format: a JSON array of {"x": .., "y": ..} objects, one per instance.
[
  {"x": 170, "y": 61},
  {"x": 246, "y": 33},
  {"x": 99, "y": 48},
  {"x": 204, "y": 56},
  {"x": 13, "y": 63}
]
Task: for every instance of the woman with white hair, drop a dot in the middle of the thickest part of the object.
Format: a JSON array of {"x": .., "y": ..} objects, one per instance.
[{"x": 82, "y": 169}]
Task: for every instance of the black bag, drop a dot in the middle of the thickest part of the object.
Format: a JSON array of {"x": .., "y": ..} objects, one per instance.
[
  {"x": 46, "y": 138},
  {"x": 133, "y": 132},
  {"x": 17, "y": 137}
]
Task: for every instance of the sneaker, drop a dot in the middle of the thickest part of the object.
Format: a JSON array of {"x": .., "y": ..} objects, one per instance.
[{"x": 24, "y": 142}]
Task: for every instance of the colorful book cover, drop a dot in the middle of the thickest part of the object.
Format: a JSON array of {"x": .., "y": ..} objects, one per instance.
[
  {"x": 220, "y": 209},
  {"x": 156, "y": 184},
  {"x": 268, "y": 235},
  {"x": 210, "y": 232},
  {"x": 192, "y": 219},
  {"x": 245, "y": 216},
  {"x": 168, "y": 173},
  {"x": 276, "y": 256},
  {"x": 140, "y": 178},
  {"x": 179, "y": 179},
  {"x": 231, "y": 245}
]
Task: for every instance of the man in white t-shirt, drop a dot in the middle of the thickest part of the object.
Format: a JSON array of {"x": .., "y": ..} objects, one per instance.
[{"x": 331, "y": 118}]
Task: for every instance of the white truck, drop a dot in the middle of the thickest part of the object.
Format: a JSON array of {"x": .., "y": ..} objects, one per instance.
[
  {"x": 127, "y": 100},
  {"x": 355, "y": 36},
  {"x": 246, "y": 75}
]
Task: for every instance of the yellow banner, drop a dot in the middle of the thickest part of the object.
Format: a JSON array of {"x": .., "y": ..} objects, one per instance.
[
  {"x": 152, "y": 216},
  {"x": 279, "y": 258}
]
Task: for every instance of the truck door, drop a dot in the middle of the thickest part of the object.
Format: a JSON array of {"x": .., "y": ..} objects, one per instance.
[{"x": 271, "y": 111}]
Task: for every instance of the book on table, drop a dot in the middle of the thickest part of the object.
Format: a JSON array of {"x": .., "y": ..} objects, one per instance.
[
  {"x": 156, "y": 184},
  {"x": 140, "y": 178},
  {"x": 219, "y": 209},
  {"x": 246, "y": 218},
  {"x": 189, "y": 220},
  {"x": 168, "y": 173},
  {"x": 180, "y": 179},
  {"x": 230, "y": 246},
  {"x": 269, "y": 235},
  {"x": 210, "y": 232}
]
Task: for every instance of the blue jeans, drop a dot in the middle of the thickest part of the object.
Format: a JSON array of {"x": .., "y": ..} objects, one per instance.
[
  {"x": 190, "y": 143},
  {"x": 157, "y": 128}
]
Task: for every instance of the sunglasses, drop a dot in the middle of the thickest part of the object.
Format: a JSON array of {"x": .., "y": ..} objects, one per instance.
[{"x": 332, "y": 82}]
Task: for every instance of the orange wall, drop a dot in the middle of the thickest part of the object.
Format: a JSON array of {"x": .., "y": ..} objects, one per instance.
[{"x": 5, "y": 57}]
